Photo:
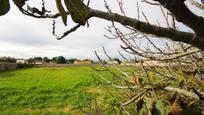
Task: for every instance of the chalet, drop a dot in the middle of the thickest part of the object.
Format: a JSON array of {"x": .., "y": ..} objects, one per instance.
[
  {"x": 112, "y": 62},
  {"x": 86, "y": 61},
  {"x": 38, "y": 62}
]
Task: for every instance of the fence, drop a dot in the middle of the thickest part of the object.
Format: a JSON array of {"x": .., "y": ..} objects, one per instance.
[
  {"x": 13, "y": 66},
  {"x": 65, "y": 65},
  {"x": 7, "y": 66}
]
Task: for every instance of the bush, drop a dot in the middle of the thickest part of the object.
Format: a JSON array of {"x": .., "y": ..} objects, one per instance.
[{"x": 21, "y": 66}]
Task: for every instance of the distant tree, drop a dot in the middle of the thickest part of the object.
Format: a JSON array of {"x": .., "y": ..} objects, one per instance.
[
  {"x": 46, "y": 59},
  {"x": 54, "y": 60},
  {"x": 31, "y": 60},
  {"x": 7, "y": 59},
  {"x": 11, "y": 60},
  {"x": 70, "y": 61},
  {"x": 60, "y": 60},
  {"x": 116, "y": 59},
  {"x": 37, "y": 58}
]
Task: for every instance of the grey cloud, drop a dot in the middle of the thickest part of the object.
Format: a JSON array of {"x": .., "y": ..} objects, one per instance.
[{"x": 25, "y": 36}]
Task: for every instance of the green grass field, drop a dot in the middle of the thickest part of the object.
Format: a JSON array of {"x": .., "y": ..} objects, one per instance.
[
  {"x": 61, "y": 91},
  {"x": 47, "y": 90}
]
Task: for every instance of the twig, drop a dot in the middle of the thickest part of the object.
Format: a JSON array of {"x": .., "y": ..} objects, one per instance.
[
  {"x": 133, "y": 99},
  {"x": 183, "y": 92}
]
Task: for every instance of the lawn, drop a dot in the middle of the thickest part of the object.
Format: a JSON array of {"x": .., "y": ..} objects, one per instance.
[{"x": 48, "y": 90}]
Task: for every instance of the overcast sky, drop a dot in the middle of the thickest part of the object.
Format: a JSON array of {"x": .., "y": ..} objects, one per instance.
[{"x": 23, "y": 37}]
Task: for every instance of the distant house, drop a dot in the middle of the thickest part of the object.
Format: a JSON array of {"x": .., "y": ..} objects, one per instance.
[
  {"x": 155, "y": 63},
  {"x": 19, "y": 61},
  {"x": 130, "y": 64},
  {"x": 86, "y": 61},
  {"x": 112, "y": 62},
  {"x": 38, "y": 62}
]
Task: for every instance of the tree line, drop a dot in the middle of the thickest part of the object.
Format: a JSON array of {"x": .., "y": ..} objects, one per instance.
[
  {"x": 57, "y": 60},
  {"x": 7, "y": 59}
]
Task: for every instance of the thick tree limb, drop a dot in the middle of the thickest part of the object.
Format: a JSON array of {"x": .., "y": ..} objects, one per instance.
[
  {"x": 184, "y": 15},
  {"x": 172, "y": 34},
  {"x": 183, "y": 92}
]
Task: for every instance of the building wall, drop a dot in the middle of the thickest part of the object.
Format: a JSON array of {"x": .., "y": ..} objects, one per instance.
[
  {"x": 112, "y": 62},
  {"x": 82, "y": 62},
  {"x": 20, "y": 61},
  {"x": 38, "y": 63}
]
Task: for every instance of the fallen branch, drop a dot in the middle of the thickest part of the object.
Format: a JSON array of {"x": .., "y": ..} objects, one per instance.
[{"x": 183, "y": 92}]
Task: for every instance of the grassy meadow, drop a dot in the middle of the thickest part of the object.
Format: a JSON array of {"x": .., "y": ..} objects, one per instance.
[
  {"x": 48, "y": 90},
  {"x": 69, "y": 91}
]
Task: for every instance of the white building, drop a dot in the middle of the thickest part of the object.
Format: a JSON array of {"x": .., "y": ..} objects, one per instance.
[
  {"x": 21, "y": 61},
  {"x": 38, "y": 62},
  {"x": 112, "y": 62}
]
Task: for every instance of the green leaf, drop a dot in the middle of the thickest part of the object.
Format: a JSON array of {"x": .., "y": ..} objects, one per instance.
[
  {"x": 19, "y": 3},
  {"x": 151, "y": 75},
  {"x": 4, "y": 7},
  {"x": 61, "y": 11},
  {"x": 78, "y": 10},
  {"x": 161, "y": 108}
]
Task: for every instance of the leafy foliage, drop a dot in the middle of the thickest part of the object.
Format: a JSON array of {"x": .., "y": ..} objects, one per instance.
[
  {"x": 46, "y": 59},
  {"x": 21, "y": 66},
  {"x": 38, "y": 58},
  {"x": 60, "y": 60},
  {"x": 7, "y": 60},
  {"x": 4, "y": 7},
  {"x": 78, "y": 10},
  {"x": 19, "y": 3},
  {"x": 61, "y": 11}
]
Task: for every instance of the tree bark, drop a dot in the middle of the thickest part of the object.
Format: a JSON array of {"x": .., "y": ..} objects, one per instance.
[
  {"x": 169, "y": 33},
  {"x": 184, "y": 15}
]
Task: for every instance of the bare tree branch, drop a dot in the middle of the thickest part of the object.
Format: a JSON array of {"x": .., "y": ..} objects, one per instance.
[{"x": 169, "y": 33}]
